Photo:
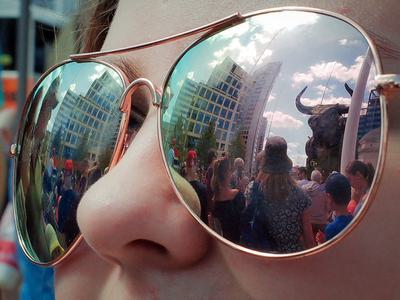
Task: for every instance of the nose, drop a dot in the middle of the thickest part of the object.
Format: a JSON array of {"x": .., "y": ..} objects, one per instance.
[{"x": 132, "y": 215}]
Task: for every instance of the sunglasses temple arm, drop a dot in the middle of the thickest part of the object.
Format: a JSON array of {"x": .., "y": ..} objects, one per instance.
[{"x": 232, "y": 19}]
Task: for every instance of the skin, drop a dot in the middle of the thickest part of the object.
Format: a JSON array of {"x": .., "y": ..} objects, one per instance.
[{"x": 140, "y": 241}]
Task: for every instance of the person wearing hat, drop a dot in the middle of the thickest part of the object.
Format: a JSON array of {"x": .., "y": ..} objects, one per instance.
[
  {"x": 338, "y": 193},
  {"x": 285, "y": 204}
]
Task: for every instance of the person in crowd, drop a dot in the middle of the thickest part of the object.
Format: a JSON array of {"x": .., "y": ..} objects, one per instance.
[
  {"x": 360, "y": 176},
  {"x": 338, "y": 192},
  {"x": 285, "y": 204},
  {"x": 239, "y": 179},
  {"x": 173, "y": 154},
  {"x": 302, "y": 176},
  {"x": 211, "y": 158},
  {"x": 227, "y": 203},
  {"x": 139, "y": 241},
  {"x": 319, "y": 212}
]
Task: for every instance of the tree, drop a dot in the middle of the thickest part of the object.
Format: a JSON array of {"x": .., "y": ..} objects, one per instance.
[
  {"x": 180, "y": 134},
  {"x": 83, "y": 147},
  {"x": 56, "y": 145},
  {"x": 207, "y": 141},
  {"x": 237, "y": 147}
]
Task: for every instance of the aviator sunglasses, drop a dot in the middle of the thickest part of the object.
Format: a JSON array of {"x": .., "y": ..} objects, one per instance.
[{"x": 309, "y": 76}]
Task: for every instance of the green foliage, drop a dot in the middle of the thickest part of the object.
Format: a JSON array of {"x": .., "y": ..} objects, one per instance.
[
  {"x": 207, "y": 141},
  {"x": 83, "y": 148},
  {"x": 237, "y": 147}
]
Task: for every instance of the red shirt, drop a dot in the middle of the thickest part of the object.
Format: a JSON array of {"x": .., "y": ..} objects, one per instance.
[{"x": 191, "y": 158}]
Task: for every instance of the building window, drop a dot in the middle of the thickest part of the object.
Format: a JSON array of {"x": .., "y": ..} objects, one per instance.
[
  {"x": 213, "y": 97},
  {"x": 227, "y": 103},
  {"x": 207, "y": 119},
  {"x": 216, "y": 110},
  {"x": 197, "y": 128},
  {"x": 202, "y": 92},
  {"x": 220, "y": 100},
  {"x": 210, "y": 107},
  {"x": 223, "y": 113},
  {"x": 200, "y": 117},
  {"x": 226, "y": 125},
  {"x": 208, "y": 94}
]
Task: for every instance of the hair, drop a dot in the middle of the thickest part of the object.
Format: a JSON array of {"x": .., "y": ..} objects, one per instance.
[
  {"x": 276, "y": 186},
  {"x": 365, "y": 169},
  {"x": 222, "y": 167},
  {"x": 303, "y": 170},
  {"x": 316, "y": 176},
  {"x": 93, "y": 22},
  {"x": 211, "y": 155},
  {"x": 338, "y": 186}
]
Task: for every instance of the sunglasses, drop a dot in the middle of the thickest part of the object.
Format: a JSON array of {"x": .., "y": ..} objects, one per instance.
[{"x": 241, "y": 109}]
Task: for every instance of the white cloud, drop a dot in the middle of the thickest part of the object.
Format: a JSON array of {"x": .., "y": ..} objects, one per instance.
[
  {"x": 346, "y": 42},
  {"x": 272, "y": 97},
  {"x": 298, "y": 159},
  {"x": 241, "y": 54},
  {"x": 327, "y": 100},
  {"x": 325, "y": 70},
  {"x": 302, "y": 78},
  {"x": 292, "y": 146},
  {"x": 72, "y": 87},
  {"x": 190, "y": 75},
  {"x": 282, "y": 120}
]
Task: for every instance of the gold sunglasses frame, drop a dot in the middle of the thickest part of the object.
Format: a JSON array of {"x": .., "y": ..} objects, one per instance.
[{"x": 387, "y": 84}]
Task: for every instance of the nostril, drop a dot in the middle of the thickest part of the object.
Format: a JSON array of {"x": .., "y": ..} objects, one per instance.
[{"x": 148, "y": 246}]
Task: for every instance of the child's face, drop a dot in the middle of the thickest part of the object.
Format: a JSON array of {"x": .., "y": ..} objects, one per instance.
[{"x": 140, "y": 241}]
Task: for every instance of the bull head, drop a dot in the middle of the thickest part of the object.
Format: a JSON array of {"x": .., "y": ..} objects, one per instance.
[{"x": 320, "y": 108}]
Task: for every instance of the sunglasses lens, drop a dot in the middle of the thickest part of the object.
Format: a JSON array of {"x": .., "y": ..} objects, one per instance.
[
  {"x": 71, "y": 124},
  {"x": 289, "y": 74}
]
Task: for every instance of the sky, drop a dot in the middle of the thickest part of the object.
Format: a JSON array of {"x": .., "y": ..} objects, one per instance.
[{"x": 317, "y": 51}]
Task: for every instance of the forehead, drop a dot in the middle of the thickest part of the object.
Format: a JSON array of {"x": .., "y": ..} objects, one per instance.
[{"x": 142, "y": 21}]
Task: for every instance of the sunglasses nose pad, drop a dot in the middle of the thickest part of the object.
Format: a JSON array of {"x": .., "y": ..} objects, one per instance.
[
  {"x": 141, "y": 92},
  {"x": 136, "y": 84}
]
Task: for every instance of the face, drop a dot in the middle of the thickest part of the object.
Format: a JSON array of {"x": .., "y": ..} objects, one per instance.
[{"x": 140, "y": 242}]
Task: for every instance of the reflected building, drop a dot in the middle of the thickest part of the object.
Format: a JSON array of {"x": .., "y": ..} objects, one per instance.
[
  {"x": 369, "y": 133},
  {"x": 198, "y": 104},
  {"x": 87, "y": 121},
  {"x": 253, "y": 124},
  {"x": 371, "y": 118}
]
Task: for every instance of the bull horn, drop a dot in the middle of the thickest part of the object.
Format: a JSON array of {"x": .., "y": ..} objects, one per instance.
[
  {"x": 308, "y": 110},
  {"x": 348, "y": 89}
]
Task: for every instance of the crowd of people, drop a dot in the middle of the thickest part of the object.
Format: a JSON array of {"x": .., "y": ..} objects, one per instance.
[{"x": 283, "y": 208}]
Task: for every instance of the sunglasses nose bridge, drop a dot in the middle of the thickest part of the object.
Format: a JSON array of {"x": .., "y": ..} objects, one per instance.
[{"x": 137, "y": 83}]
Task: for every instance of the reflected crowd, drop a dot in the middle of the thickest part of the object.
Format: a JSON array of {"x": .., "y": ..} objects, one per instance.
[{"x": 281, "y": 209}]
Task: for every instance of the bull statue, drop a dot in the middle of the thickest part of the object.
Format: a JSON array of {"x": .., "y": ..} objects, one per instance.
[{"x": 323, "y": 148}]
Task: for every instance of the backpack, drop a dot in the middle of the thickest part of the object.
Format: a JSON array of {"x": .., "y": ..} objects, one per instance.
[{"x": 253, "y": 226}]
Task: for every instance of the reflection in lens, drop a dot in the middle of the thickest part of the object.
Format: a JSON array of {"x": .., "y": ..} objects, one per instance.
[
  {"x": 256, "y": 118},
  {"x": 70, "y": 132}
]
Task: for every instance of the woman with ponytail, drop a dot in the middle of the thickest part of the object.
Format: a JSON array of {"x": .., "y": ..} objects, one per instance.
[{"x": 227, "y": 203}]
